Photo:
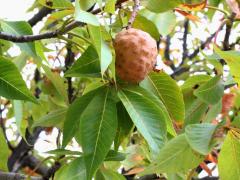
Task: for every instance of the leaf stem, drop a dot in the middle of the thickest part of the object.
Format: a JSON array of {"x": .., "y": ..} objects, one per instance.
[{"x": 217, "y": 9}]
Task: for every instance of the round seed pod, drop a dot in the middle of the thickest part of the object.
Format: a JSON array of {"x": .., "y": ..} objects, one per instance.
[{"x": 136, "y": 54}]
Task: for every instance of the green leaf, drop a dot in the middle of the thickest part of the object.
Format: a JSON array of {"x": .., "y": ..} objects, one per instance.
[
  {"x": 56, "y": 4},
  {"x": 146, "y": 115},
  {"x": 98, "y": 126},
  {"x": 213, "y": 112},
  {"x": 54, "y": 118},
  {"x": 125, "y": 125},
  {"x": 110, "y": 6},
  {"x": 146, "y": 25},
  {"x": 195, "y": 111},
  {"x": 87, "y": 4},
  {"x": 19, "y": 118},
  {"x": 87, "y": 65},
  {"x": 84, "y": 16},
  {"x": 103, "y": 50},
  {"x": 4, "y": 152},
  {"x": 20, "y": 28},
  {"x": 57, "y": 81},
  {"x": 211, "y": 92},
  {"x": 195, "y": 81},
  {"x": 176, "y": 156},
  {"x": 165, "y": 22},
  {"x": 75, "y": 170},
  {"x": 61, "y": 152},
  {"x": 57, "y": 16},
  {"x": 163, "y": 86},
  {"x": 111, "y": 175},
  {"x": 232, "y": 59},
  {"x": 74, "y": 113},
  {"x": 199, "y": 136},
  {"x": 229, "y": 157},
  {"x": 115, "y": 156},
  {"x": 159, "y": 6},
  {"x": 12, "y": 86}
]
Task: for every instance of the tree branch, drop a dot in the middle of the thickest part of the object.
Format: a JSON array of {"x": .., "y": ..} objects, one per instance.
[
  {"x": 229, "y": 25},
  {"x": 39, "y": 16},
  {"x": 185, "y": 50},
  {"x": 134, "y": 13},
  {"x": 16, "y": 176}
]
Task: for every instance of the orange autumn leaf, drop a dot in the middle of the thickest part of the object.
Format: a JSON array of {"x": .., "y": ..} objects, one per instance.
[
  {"x": 188, "y": 15},
  {"x": 204, "y": 166},
  {"x": 211, "y": 158},
  {"x": 194, "y": 7}
]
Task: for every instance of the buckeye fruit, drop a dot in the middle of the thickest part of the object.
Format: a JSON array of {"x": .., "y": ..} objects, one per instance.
[{"x": 136, "y": 54}]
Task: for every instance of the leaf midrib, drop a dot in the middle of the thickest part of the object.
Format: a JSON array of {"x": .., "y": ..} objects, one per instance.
[{"x": 101, "y": 121}]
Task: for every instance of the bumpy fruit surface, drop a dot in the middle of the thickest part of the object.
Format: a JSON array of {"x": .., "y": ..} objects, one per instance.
[{"x": 136, "y": 54}]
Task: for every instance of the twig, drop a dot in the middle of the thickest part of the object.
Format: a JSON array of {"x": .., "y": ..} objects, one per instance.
[
  {"x": 167, "y": 52},
  {"x": 134, "y": 13},
  {"x": 204, "y": 44},
  {"x": 229, "y": 25},
  {"x": 185, "y": 34}
]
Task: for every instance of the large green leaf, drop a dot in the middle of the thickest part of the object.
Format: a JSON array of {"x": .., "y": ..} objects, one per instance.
[
  {"x": 87, "y": 65},
  {"x": 56, "y": 4},
  {"x": 168, "y": 91},
  {"x": 232, "y": 59},
  {"x": 146, "y": 25},
  {"x": 74, "y": 113},
  {"x": 159, "y": 6},
  {"x": 211, "y": 92},
  {"x": 12, "y": 86},
  {"x": 146, "y": 115},
  {"x": 199, "y": 136},
  {"x": 103, "y": 50},
  {"x": 175, "y": 156},
  {"x": 98, "y": 126},
  {"x": 20, "y": 28},
  {"x": 84, "y": 16},
  {"x": 54, "y": 118},
  {"x": 229, "y": 157},
  {"x": 165, "y": 22},
  {"x": 125, "y": 125},
  {"x": 4, "y": 152},
  {"x": 75, "y": 170}
]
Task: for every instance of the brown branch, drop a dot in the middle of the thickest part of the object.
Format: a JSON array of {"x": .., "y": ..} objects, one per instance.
[
  {"x": 185, "y": 34},
  {"x": 229, "y": 26},
  {"x": 134, "y": 13},
  {"x": 16, "y": 176},
  {"x": 39, "y": 16}
]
